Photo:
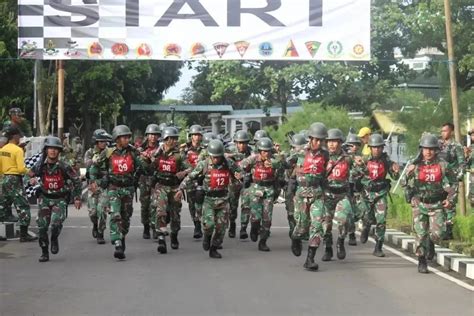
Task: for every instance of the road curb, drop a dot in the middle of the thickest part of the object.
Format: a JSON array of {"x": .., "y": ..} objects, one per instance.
[{"x": 445, "y": 257}]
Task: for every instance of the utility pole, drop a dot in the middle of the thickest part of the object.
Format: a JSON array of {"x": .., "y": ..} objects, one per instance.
[
  {"x": 454, "y": 92},
  {"x": 60, "y": 64}
]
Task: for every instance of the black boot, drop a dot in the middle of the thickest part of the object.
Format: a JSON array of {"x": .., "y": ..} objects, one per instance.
[
  {"x": 174, "y": 241},
  {"x": 161, "y": 245},
  {"x": 146, "y": 231},
  {"x": 197, "y": 230},
  {"x": 206, "y": 242},
  {"x": 296, "y": 246},
  {"x": 422, "y": 265},
  {"x": 243, "y": 232},
  {"x": 44, "y": 244},
  {"x": 431, "y": 250},
  {"x": 310, "y": 265},
  {"x": 254, "y": 230},
  {"x": 352, "y": 240},
  {"x": 327, "y": 253},
  {"x": 341, "y": 251},
  {"x": 232, "y": 230},
  {"x": 378, "y": 249},
  {"x": 213, "y": 253},
  {"x": 94, "y": 230},
  {"x": 262, "y": 245},
  {"x": 24, "y": 237},
  {"x": 449, "y": 231},
  {"x": 100, "y": 238},
  {"x": 154, "y": 232},
  {"x": 54, "y": 240},
  {"x": 119, "y": 250},
  {"x": 364, "y": 235}
]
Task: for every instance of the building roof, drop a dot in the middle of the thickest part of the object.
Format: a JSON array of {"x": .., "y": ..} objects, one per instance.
[
  {"x": 182, "y": 108},
  {"x": 259, "y": 113},
  {"x": 386, "y": 120}
]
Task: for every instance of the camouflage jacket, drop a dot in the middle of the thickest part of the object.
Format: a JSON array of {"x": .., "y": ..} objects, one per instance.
[
  {"x": 373, "y": 174},
  {"x": 260, "y": 173},
  {"x": 58, "y": 179},
  {"x": 166, "y": 164},
  {"x": 452, "y": 152},
  {"x": 429, "y": 180},
  {"x": 123, "y": 166},
  {"x": 216, "y": 177},
  {"x": 310, "y": 166},
  {"x": 146, "y": 154},
  {"x": 92, "y": 155}
]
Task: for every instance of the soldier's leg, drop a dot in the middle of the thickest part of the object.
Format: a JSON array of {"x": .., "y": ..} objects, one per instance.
[
  {"x": 208, "y": 221},
  {"x": 115, "y": 221},
  {"x": 221, "y": 220},
  {"x": 317, "y": 213},
  {"x": 191, "y": 199},
  {"x": 256, "y": 212},
  {"x": 451, "y": 212},
  {"x": 175, "y": 216},
  {"x": 471, "y": 190},
  {"x": 6, "y": 198},
  {"x": 126, "y": 196},
  {"x": 437, "y": 225},
  {"x": 267, "y": 214},
  {"x": 381, "y": 206},
  {"x": 421, "y": 227},
  {"x": 329, "y": 206},
  {"x": 43, "y": 220},
  {"x": 367, "y": 210},
  {"x": 103, "y": 208},
  {"x": 244, "y": 212},
  {"x": 356, "y": 216},
  {"x": 343, "y": 218},
  {"x": 234, "y": 194},
  {"x": 145, "y": 203},
  {"x": 302, "y": 216},
  {"x": 290, "y": 205},
  {"x": 92, "y": 205},
  {"x": 160, "y": 207},
  {"x": 58, "y": 215}
]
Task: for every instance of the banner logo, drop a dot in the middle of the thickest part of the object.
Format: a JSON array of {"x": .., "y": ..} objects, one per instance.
[
  {"x": 312, "y": 47},
  {"x": 334, "y": 49},
  {"x": 242, "y": 47},
  {"x": 220, "y": 48},
  {"x": 265, "y": 49}
]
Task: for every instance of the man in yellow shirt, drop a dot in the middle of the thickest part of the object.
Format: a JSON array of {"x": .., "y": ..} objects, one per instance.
[
  {"x": 12, "y": 167},
  {"x": 364, "y": 134}
]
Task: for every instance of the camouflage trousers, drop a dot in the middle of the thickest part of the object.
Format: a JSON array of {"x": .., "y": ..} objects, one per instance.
[
  {"x": 290, "y": 204},
  {"x": 51, "y": 212},
  {"x": 309, "y": 215},
  {"x": 12, "y": 193},
  {"x": 338, "y": 208},
  {"x": 234, "y": 194},
  {"x": 245, "y": 201},
  {"x": 451, "y": 212},
  {"x": 146, "y": 186},
  {"x": 121, "y": 210},
  {"x": 163, "y": 202},
  {"x": 429, "y": 222},
  {"x": 97, "y": 205},
  {"x": 359, "y": 209},
  {"x": 215, "y": 218},
  {"x": 376, "y": 205},
  {"x": 195, "y": 208},
  {"x": 261, "y": 207}
]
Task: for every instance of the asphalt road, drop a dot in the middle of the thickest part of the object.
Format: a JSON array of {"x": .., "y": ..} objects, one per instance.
[{"x": 85, "y": 279}]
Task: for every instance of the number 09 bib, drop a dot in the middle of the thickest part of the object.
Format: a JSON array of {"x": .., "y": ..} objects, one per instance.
[{"x": 122, "y": 164}]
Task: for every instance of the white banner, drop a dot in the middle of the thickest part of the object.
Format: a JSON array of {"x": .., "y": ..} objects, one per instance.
[{"x": 194, "y": 29}]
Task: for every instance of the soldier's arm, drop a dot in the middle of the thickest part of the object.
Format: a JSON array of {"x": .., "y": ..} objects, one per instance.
[
  {"x": 194, "y": 174},
  {"x": 20, "y": 162},
  {"x": 408, "y": 174},
  {"x": 248, "y": 162},
  {"x": 447, "y": 186},
  {"x": 76, "y": 181},
  {"x": 88, "y": 158}
]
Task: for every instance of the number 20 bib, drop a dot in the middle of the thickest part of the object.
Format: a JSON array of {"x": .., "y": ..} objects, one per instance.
[{"x": 429, "y": 174}]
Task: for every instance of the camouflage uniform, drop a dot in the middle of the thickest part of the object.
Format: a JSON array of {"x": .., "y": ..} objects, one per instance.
[
  {"x": 192, "y": 155},
  {"x": 123, "y": 166},
  {"x": 452, "y": 152},
  {"x": 146, "y": 184},
  {"x": 58, "y": 182},
  {"x": 310, "y": 168},
  {"x": 216, "y": 183},
  {"x": 97, "y": 202},
  {"x": 290, "y": 197},
  {"x": 431, "y": 186},
  {"x": 338, "y": 203},
  {"x": 376, "y": 188},
  {"x": 237, "y": 189},
  {"x": 261, "y": 194},
  {"x": 165, "y": 166}
]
